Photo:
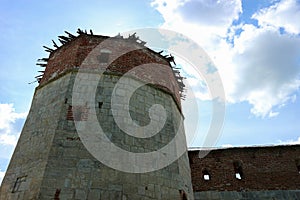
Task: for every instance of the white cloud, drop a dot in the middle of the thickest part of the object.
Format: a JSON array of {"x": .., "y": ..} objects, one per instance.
[
  {"x": 290, "y": 142},
  {"x": 8, "y": 117},
  {"x": 1, "y": 176},
  {"x": 207, "y": 25},
  {"x": 8, "y": 139},
  {"x": 210, "y": 12},
  {"x": 273, "y": 114},
  {"x": 267, "y": 67},
  {"x": 226, "y": 145},
  {"x": 284, "y": 14},
  {"x": 205, "y": 21},
  {"x": 260, "y": 65},
  {"x": 267, "y": 62},
  {"x": 198, "y": 87}
]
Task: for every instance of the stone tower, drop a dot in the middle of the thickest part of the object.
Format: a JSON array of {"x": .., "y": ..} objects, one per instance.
[{"x": 92, "y": 131}]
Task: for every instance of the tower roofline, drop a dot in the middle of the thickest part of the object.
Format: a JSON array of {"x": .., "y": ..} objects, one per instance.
[{"x": 68, "y": 40}]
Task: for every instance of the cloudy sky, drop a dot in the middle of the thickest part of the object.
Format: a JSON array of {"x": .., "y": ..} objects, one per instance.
[{"x": 255, "y": 46}]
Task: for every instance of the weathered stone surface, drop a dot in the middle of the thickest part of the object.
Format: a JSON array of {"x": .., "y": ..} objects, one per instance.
[
  {"x": 65, "y": 168},
  {"x": 31, "y": 154},
  {"x": 264, "y": 195}
]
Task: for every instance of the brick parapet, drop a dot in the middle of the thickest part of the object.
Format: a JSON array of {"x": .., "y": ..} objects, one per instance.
[
  {"x": 263, "y": 168},
  {"x": 84, "y": 51}
]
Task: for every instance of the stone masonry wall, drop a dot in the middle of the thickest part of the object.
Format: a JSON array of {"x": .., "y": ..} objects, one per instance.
[
  {"x": 27, "y": 166},
  {"x": 249, "y": 195},
  {"x": 58, "y": 166}
]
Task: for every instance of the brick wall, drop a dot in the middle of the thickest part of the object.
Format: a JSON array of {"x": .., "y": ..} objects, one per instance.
[
  {"x": 261, "y": 168},
  {"x": 85, "y": 51}
]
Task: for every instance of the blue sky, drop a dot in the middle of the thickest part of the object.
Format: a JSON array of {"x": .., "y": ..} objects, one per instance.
[{"x": 255, "y": 45}]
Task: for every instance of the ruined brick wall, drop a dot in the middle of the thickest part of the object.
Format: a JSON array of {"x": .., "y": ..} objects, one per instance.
[
  {"x": 84, "y": 51},
  {"x": 260, "y": 168}
]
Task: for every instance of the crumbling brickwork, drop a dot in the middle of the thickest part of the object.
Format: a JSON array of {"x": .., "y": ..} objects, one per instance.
[
  {"x": 73, "y": 55},
  {"x": 271, "y": 168}
]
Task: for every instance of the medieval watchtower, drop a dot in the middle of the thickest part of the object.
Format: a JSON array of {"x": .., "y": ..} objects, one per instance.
[{"x": 52, "y": 159}]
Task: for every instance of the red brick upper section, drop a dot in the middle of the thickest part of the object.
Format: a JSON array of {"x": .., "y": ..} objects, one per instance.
[
  {"x": 262, "y": 168},
  {"x": 85, "y": 50}
]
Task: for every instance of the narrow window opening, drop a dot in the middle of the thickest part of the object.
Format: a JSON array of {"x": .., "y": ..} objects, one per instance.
[
  {"x": 238, "y": 176},
  {"x": 57, "y": 193},
  {"x": 100, "y": 104},
  {"x": 66, "y": 100},
  {"x": 206, "y": 175},
  {"x": 183, "y": 195},
  {"x": 17, "y": 185},
  {"x": 238, "y": 170}
]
